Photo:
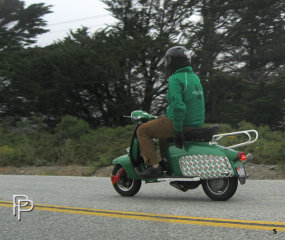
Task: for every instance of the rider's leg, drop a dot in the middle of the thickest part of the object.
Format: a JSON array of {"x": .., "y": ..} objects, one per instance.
[
  {"x": 163, "y": 145},
  {"x": 161, "y": 128}
]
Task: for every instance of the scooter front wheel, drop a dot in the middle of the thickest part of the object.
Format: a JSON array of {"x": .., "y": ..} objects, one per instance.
[
  {"x": 125, "y": 185},
  {"x": 220, "y": 189}
]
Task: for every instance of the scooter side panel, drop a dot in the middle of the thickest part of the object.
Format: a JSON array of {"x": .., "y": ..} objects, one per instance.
[
  {"x": 232, "y": 155},
  {"x": 125, "y": 162},
  {"x": 199, "y": 160}
]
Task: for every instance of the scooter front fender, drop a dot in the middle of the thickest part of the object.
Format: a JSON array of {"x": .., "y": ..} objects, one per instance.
[{"x": 125, "y": 162}]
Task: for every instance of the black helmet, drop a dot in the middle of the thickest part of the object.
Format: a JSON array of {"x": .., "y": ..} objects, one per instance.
[{"x": 175, "y": 58}]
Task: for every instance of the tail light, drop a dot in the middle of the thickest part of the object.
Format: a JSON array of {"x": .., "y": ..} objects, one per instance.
[{"x": 242, "y": 156}]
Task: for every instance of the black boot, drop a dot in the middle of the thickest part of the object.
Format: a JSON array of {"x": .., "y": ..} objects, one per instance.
[
  {"x": 165, "y": 166},
  {"x": 152, "y": 172}
]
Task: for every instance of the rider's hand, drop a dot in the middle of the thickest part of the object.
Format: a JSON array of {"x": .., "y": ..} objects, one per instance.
[{"x": 178, "y": 139}]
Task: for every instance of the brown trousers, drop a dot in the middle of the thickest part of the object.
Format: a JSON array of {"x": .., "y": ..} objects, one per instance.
[{"x": 161, "y": 128}]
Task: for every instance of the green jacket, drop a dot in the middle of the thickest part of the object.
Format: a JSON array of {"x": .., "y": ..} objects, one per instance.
[{"x": 185, "y": 99}]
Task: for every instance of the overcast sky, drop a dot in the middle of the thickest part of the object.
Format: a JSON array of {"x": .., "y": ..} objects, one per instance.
[{"x": 72, "y": 14}]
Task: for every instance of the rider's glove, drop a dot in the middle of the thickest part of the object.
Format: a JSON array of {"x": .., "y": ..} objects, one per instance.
[{"x": 178, "y": 139}]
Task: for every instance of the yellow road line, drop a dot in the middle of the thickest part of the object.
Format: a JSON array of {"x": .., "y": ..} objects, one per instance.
[{"x": 217, "y": 222}]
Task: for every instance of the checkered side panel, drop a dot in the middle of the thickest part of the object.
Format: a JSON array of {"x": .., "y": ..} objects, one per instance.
[{"x": 205, "y": 166}]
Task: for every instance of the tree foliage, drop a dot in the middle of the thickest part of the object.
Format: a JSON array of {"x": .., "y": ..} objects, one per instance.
[
  {"x": 19, "y": 25},
  {"x": 237, "y": 51},
  {"x": 244, "y": 40},
  {"x": 149, "y": 27}
]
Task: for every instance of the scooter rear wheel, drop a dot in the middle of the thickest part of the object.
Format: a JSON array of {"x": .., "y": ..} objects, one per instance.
[
  {"x": 220, "y": 189},
  {"x": 125, "y": 186}
]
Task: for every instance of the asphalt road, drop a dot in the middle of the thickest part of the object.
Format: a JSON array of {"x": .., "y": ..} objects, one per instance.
[{"x": 89, "y": 208}]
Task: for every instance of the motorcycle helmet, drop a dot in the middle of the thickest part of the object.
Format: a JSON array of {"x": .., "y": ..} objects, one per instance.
[{"x": 175, "y": 58}]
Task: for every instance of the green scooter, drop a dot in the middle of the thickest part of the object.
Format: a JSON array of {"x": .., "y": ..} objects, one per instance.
[{"x": 201, "y": 161}]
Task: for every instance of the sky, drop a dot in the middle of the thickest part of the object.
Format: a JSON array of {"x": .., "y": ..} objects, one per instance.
[{"x": 72, "y": 14}]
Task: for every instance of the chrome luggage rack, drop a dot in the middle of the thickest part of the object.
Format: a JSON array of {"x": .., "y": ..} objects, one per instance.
[{"x": 248, "y": 133}]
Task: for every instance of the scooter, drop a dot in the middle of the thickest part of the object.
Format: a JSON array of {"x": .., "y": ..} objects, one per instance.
[{"x": 201, "y": 161}]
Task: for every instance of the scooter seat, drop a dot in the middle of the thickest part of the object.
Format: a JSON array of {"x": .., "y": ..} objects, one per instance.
[{"x": 201, "y": 134}]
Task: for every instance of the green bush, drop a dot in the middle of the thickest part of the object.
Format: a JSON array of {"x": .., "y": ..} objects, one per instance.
[
  {"x": 67, "y": 152},
  {"x": 10, "y": 156},
  {"x": 72, "y": 141},
  {"x": 102, "y": 145},
  {"x": 268, "y": 149},
  {"x": 71, "y": 127}
]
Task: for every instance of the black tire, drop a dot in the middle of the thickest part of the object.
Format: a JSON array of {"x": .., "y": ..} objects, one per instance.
[
  {"x": 220, "y": 189},
  {"x": 126, "y": 186}
]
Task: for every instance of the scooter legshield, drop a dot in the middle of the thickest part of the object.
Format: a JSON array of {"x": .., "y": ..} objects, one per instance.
[{"x": 125, "y": 162}]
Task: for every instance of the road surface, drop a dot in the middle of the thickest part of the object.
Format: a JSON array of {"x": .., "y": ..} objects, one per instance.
[{"x": 89, "y": 208}]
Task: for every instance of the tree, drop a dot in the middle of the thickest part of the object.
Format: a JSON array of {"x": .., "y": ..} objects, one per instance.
[
  {"x": 19, "y": 25},
  {"x": 82, "y": 75},
  {"x": 104, "y": 76},
  {"x": 207, "y": 39},
  {"x": 257, "y": 41},
  {"x": 149, "y": 27},
  {"x": 101, "y": 77},
  {"x": 266, "y": 100},
  {"x": 241, "y": 38},
  {"x": 256, "y": 49}
]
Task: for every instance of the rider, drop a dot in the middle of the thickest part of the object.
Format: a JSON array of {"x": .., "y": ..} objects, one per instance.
[{"x": 185, "y": 110}]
